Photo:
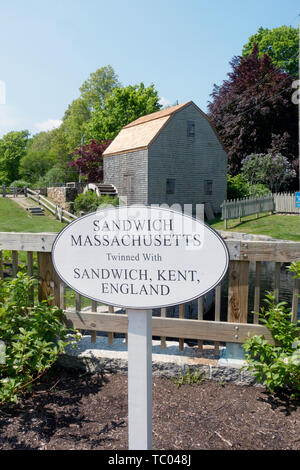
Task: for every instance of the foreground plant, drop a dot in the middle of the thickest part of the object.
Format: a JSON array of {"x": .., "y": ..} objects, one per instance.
[
  {"x": 32, "y": 337},
  {"x": 276, "y": 366},
  {"x": 189, "y": 378}
]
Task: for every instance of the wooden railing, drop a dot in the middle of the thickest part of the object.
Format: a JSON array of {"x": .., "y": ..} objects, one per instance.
[
  {"x": 60, "y": 213},
  {"x": 235, "y": 329}
]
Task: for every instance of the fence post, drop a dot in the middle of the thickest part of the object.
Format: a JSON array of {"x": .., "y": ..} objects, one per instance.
[
  {"x": 49, "y": 282},
  {"x": 237, "y": 309},
  {"x": 224, "y": 214},
  {"x": 240, "y": 209},
  {"x": 3, "y": 191}
]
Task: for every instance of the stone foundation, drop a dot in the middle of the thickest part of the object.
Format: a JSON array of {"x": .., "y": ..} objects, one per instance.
[
  {"x": 169, "y": 362},
  {"x": 63, "y": 197}
]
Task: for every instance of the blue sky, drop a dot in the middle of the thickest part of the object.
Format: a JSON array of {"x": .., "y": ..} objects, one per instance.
[{"x": 49, "y": 47}]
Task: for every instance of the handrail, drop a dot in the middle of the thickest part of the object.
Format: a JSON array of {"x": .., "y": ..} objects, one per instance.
[{"x": 58, "y": 211}]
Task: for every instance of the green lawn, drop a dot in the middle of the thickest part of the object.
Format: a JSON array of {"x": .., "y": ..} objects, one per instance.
[
  {"x": 285, "y": 227},
  {"x": 15, "y": 219}
]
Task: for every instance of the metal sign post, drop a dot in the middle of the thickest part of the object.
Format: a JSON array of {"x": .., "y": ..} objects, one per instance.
[{"x": 140, "y": 379}]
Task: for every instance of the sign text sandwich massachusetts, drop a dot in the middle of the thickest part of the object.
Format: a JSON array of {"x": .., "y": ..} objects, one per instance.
[{"x": 140, "y": 257}]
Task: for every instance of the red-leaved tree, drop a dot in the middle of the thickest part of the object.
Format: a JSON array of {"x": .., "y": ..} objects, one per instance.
[
  {"x": 89, "y": 161},
  {"x": 253, "y": 111}
]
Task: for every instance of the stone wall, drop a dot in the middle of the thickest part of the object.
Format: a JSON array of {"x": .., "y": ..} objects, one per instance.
[
  {"x": 62, "y": 196},
  {"x": 170, "y": 362}
]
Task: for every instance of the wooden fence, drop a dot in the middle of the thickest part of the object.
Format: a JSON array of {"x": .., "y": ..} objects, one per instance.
[
  {"x": 238, "y": 208},
  {"x": 59, "y": 212},
  {"x": 235, "y": 329},
  {"x": 278, "y": 202},
  {"x": 14, "y": 191},
  {"x": 285, "y": 202}
]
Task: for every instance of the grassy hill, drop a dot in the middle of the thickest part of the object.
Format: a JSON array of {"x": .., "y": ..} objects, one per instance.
[{"x": 15, "y": 219}]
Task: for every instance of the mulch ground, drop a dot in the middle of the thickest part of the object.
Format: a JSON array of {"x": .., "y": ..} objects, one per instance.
[{"x": 70, "y": 410}]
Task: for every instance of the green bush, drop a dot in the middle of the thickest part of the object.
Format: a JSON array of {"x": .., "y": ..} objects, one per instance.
[
  {"x": 90, "y": 202},
  {"x": 33, "y": 337},
  {"x": 19, "y": 184},
  {"x": 238, "y": 187},
  {"x": 276, "y": 366}
]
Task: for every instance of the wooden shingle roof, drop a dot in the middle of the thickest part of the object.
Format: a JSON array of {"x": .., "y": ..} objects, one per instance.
[
  {"x": 158, "y": 114},
  {"x": 139, "y": 134}
]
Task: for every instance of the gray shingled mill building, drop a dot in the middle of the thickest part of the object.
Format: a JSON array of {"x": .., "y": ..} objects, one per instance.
[{"x": 171, "y": 156}]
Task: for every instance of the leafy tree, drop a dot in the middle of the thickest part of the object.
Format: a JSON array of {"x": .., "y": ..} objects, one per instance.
[
  {"x": 35, "y": 164},
  {"x": 89, "y": 160},
  {"x": 252, "y": 106},
  {"x": 281, "y": 44},
  {"x": 74, "y": 119},
  {"x": 40, "y": 142},
  {"x": 274, "y": 171},
  {"x": 59, "y": 145},
  {"x": 12, "y": 149},
  {"x": 120, "y": 108},
  {"x": 99, "y": 86},
  {"x": 57, "y": 174}
]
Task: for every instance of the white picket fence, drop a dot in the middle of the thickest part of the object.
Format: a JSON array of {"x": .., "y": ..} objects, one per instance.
[
  {"x": 238, "y": 208},
  {"x": 285, "y": 202}
]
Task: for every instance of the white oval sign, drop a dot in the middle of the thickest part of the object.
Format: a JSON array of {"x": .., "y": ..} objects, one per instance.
[{"x": 140, "y": 257}]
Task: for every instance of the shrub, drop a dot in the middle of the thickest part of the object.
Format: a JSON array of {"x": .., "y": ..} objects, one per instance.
[
  {"x": 275, "y": 171},
  {"x": 19, "y": 184},
  {"x": 238, "y": 187},
  {"x": 276, "y": 366},
  {"x": 33, "y": 337},
  {"x": 90, "y": 202}
]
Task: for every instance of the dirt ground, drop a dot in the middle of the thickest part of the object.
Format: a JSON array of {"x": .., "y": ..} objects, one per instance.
[{"x": 70, "y": 410}]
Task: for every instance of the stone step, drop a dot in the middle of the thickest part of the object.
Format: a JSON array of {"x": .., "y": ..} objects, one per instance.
[{"x": 36, "y": 210}]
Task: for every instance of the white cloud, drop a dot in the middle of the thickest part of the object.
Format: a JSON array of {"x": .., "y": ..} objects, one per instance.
[
  {"x": 8, "y": 117},
  {"x": 164, "y": 102},
  {"x": 48, "y": 125}
]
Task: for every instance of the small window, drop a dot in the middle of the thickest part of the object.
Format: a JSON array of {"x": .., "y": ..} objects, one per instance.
[
  {"x": 208, "y": 187},
  {"x": 191, "y": 128},
  {"x": 170, "y": 186}
]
